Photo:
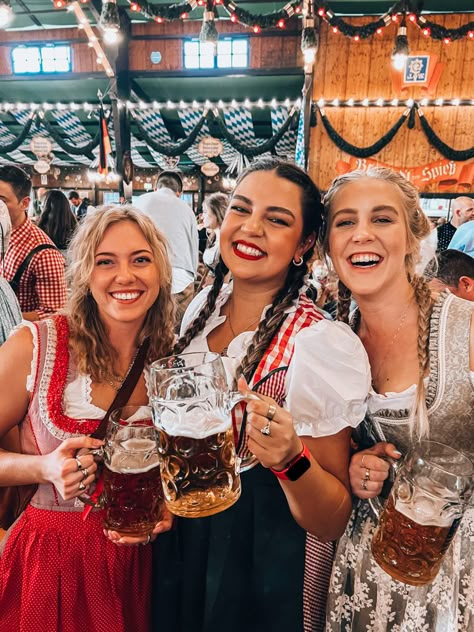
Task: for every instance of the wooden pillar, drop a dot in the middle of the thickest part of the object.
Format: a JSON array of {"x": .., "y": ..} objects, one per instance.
[{"x": 120, "y": 95}]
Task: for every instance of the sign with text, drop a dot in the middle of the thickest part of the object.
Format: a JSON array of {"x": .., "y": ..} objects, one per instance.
[
  {"x": 210, "y": 147},
  {"x": 446, "y": 173}
]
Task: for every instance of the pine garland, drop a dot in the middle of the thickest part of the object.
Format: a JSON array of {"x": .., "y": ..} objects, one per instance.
[{"x": 14, "y": 144}]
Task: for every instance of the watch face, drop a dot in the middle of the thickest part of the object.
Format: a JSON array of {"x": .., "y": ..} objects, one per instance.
[{"x": 299, "y": 468}]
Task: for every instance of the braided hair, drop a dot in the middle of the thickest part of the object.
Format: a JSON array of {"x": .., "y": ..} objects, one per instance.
[
  {"x": 275, "y": 315},
  {"x": 417, "y": 229}
]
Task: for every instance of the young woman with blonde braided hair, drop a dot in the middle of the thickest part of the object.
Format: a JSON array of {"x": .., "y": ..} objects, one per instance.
[
  {"x": 421, "y": 351},
  {"x": 254, "y": 567}
]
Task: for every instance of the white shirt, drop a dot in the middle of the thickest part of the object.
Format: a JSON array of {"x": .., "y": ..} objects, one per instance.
[
  {"x": 329, "y": 375},
  {"x": 177, "y": 222}
]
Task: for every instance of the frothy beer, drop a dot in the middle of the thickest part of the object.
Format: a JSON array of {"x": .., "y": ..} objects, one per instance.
[
  {"x": 200, "y": 473},
  {"x": 132, "y": 488},
  {"x": 412, "y": 538}
]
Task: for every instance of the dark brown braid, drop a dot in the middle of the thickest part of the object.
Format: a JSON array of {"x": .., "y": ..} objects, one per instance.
[
  {"x": 275, "y": 315},
  {"x": 273, "y": 320},
  {"x": 343, "y": 302},
  {"x": 199, "y": 322},
  {"x": 419, "y": 415}
]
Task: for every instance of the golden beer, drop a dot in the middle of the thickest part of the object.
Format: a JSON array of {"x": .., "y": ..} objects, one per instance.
[
  {"x": 407, "y": 550},
  {"x": 133, "y": 494},
  {"x": 200, "y": 475}
]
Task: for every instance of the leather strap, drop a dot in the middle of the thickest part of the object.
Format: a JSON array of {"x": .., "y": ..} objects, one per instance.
[
  {"x": 15, "y": 282},
  {"x": 125, "y": 391}
]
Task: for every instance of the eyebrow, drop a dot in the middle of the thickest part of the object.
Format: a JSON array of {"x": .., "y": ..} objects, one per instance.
[
  {"x": 113, "y": 254},
  {"x": 274, "y": 209},
  {"x": 376, "y": 209}
]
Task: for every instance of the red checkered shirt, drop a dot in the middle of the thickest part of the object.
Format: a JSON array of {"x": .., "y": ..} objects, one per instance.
[{"x": 43, "y": 284}]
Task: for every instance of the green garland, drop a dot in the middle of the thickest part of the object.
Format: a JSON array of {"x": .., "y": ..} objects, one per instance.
[
  {"x": 73, "y": 150},
  {"x": 448, "y": 152},
  {"x": 252, "y": 150},
  {"x": 265, "y": 20},
  {"x": 174, "y": 12},
  {"x": 14, "y": 144},
  {"x": 170, "y": 149},
  {"x": 361, "y": 152}
]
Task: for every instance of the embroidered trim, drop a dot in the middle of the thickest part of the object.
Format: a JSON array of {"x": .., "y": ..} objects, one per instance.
[{"x": 50, "y": 392}]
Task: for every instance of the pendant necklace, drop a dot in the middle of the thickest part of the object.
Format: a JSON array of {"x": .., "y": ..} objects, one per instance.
[{"x": 113, "y": 380}]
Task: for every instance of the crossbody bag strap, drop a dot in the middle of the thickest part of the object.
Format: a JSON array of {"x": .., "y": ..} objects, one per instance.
[
  {"x": 125, "y": 391},
  {"x": 15, "y": 282}
]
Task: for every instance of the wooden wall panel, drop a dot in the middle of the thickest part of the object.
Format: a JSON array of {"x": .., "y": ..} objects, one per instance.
[{"x": 348, "y": 69}]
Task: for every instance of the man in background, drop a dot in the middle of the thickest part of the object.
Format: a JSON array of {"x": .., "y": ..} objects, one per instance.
[
  {"x": 454, "y": 270},
  {"x": 32, "y": 262},
  {"x": 463, "y": 239},
  {"x": 79, "y": 205},
  {"x": 463, "y": 211},
  {"x": 177, "y": 222}
]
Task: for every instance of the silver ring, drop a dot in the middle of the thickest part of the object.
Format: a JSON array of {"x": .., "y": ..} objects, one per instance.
[
  {"x": 271, "y": 413},
  {"x": 81, "y": 486},
  {"x": 79, "y": 464},
  {"x": 266, "y": 428},
  {"x": 85, "y": 472},
  {"x": 367, "y": 474},
  {"x": 148, "y": 540},
  {"x": 364, "y": 484}
]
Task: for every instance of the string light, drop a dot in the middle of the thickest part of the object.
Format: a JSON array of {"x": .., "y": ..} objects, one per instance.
[
  {"x": 247, "y": 103},
  {"x": 209, "y": 35},
  {"x": 110, "y": 21},
  {"x": 91, "y": 36},
  {"x": 400, "y": 50},
  {"x": 309, "y": 36}
]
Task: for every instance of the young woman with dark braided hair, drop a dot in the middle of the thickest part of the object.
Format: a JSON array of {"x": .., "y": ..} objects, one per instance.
[
  {"x": 421, "y": 351},
  {"x": 254, "y": 567}
]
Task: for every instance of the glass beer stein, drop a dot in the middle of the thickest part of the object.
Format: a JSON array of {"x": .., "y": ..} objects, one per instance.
[
  {"x": 422, "y": 513},
  {"x": 192, "y": 413},
  {"x": 133, "y": 496}
]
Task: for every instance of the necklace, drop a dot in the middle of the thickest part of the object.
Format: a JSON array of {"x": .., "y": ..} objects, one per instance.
[
  {"x": 113, "y": 380},
  {"x": 246, "y": 328},
  {"x": 403, "y": 316}
]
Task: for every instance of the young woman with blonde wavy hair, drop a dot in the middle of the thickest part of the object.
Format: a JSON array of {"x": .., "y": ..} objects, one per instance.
[
  {"x": 421, "y": 351},
  {"x": 58, "y": 377}
]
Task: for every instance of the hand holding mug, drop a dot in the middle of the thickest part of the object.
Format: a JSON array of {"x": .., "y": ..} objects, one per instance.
[
  {"x": 369, "y": 469},
  {"x": 71, "y": 474},
  {"x": 270, "y": 429}
]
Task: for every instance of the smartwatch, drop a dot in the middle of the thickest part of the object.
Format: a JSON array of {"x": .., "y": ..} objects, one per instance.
[{"x": 296, "y": 467}]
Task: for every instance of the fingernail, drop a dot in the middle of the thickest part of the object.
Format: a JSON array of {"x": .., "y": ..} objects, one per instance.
[{"x": 397, "y": 452}]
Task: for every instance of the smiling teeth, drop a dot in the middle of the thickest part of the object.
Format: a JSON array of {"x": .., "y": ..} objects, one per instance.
[
  {"x": 247, "y": 250},
  {"x": 126, "y": 296},
  {"x": 365, "y": 259}
]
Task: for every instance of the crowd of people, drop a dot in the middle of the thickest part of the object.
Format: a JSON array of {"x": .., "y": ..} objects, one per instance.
[{"x": 317, "y": 304}]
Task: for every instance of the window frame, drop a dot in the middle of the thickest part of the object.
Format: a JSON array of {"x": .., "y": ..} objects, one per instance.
[
  {"x": 40, "y": 47},
  {"x": 215, "y": 65}
]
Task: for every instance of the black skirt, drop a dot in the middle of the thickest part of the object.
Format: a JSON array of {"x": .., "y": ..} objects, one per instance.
[{"x": 241, "y": 570}]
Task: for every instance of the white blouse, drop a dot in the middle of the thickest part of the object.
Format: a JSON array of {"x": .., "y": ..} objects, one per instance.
[
  {"x": 77, "y": 397},
  {"x": 329, "y": 375}
]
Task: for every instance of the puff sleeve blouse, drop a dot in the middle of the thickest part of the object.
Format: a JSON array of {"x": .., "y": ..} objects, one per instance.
[{"x": 328, "y": 379}]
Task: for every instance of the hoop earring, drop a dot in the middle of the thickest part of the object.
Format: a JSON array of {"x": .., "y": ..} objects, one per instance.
[{"x": 298, "y": 263}]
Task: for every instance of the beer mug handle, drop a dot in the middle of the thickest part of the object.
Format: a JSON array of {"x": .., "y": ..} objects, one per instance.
[
  {"x": 235, "y": 397},
  {"x": 375, "y": 503},
  {"x": 94, "y": 500}
]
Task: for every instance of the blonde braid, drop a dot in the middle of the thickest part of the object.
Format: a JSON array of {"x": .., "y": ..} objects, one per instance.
[
  {"x": 200, "y": 321},
  {"x": 419, "y": 422},
  {"x": 343, "y": 302}
]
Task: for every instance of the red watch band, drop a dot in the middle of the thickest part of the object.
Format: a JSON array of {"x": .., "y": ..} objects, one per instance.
[{"x": 283, "y": 474}]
